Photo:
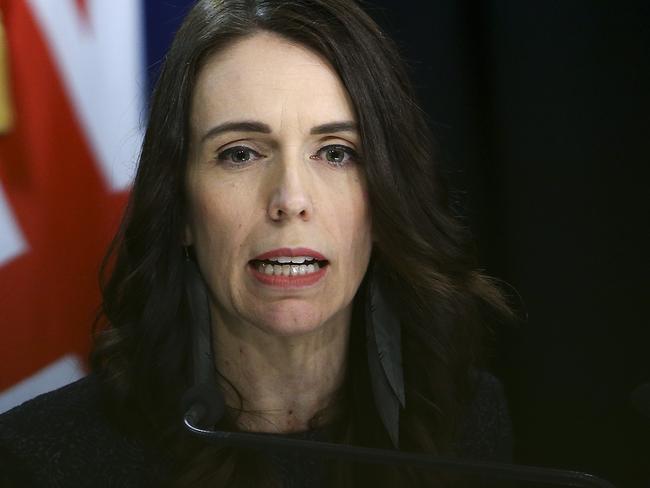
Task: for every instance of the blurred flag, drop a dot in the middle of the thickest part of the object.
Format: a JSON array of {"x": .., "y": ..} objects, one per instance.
[{"x": 72, "y": 85}]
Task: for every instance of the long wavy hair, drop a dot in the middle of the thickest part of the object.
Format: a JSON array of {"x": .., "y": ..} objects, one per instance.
[{"x": 142, "y": 340}]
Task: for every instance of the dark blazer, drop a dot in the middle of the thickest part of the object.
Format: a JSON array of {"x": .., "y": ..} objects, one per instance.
[{"x": 63, "y": 439}]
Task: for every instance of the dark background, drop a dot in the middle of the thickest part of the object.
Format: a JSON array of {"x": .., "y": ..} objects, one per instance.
[{"x": 542, "y": 110}]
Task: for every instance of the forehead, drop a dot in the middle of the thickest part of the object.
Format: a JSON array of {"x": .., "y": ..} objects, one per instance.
[{"x": 269, "y": 78}]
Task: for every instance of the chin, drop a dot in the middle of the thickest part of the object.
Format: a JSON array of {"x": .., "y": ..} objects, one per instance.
[{"x": 290, "y": 320}]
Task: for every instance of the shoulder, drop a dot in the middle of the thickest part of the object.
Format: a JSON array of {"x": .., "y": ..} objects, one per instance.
[
  {"x": 486, "y": 430},
  {"x": 64, "y": 438}
]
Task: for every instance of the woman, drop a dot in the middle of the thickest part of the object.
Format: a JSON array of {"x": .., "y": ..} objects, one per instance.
[{"x": 286, "y": 160}]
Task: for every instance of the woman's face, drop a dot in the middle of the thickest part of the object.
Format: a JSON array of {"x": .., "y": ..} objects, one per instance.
[{"x": 273, "y": 177}]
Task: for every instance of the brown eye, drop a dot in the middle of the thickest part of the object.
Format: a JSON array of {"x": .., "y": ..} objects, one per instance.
[
  {"x": 337, "y": 155},
  {"x": 238, "y": 155}
]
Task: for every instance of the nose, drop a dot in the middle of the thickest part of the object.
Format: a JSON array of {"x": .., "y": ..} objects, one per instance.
[{"x": 291, "y": 192}]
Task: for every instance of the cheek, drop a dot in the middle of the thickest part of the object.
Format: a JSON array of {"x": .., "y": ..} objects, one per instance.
[
  {"x": 363, "y": 236},
  {"x": 354, "y": 222},
  {"x": 213, "y": 219},
  {"x": 360, "y": 208}
]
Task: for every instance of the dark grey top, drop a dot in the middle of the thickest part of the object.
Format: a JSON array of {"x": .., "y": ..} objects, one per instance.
[{"x": 62, "y": 439}]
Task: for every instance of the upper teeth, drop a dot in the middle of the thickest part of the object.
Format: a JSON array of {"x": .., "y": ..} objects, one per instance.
[{"x": 294, "y": 259}]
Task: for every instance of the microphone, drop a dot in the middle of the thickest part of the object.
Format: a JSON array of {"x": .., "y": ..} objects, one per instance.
[
  {"x": 202, "y": 403},
  {"x": 204, "y": 406}
]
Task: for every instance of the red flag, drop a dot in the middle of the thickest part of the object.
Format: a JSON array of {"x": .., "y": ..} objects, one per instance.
[{"x": 60, "y": 209}]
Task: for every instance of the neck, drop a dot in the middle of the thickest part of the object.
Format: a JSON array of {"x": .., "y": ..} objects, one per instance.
[{"x": 280, "y": 383}]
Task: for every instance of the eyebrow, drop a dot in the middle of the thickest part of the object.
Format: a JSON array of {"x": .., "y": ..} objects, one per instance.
[
  {"x": 240, "y": 126},
  {"x": 254, "y": 126},
  {"x": 345, "y": 126}
]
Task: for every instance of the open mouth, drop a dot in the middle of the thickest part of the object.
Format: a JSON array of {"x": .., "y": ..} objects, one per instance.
[{"x": 289, "y": 266}]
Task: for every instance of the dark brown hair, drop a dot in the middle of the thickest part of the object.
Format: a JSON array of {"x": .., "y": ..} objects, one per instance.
[{"x": 141, "y": 354}]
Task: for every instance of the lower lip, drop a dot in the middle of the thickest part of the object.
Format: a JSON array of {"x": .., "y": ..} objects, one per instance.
[{"x": 282, "y": 281}]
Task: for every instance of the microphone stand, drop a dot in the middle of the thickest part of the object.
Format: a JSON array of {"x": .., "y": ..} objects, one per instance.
[
  {"x": 384, "y": 456},
  {"x": 203, "y": 406}
]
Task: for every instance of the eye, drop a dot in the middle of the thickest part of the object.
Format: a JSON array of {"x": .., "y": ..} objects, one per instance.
[
  {"x": 238, "y": 155},
  {"x": 337, "y": 155}
]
